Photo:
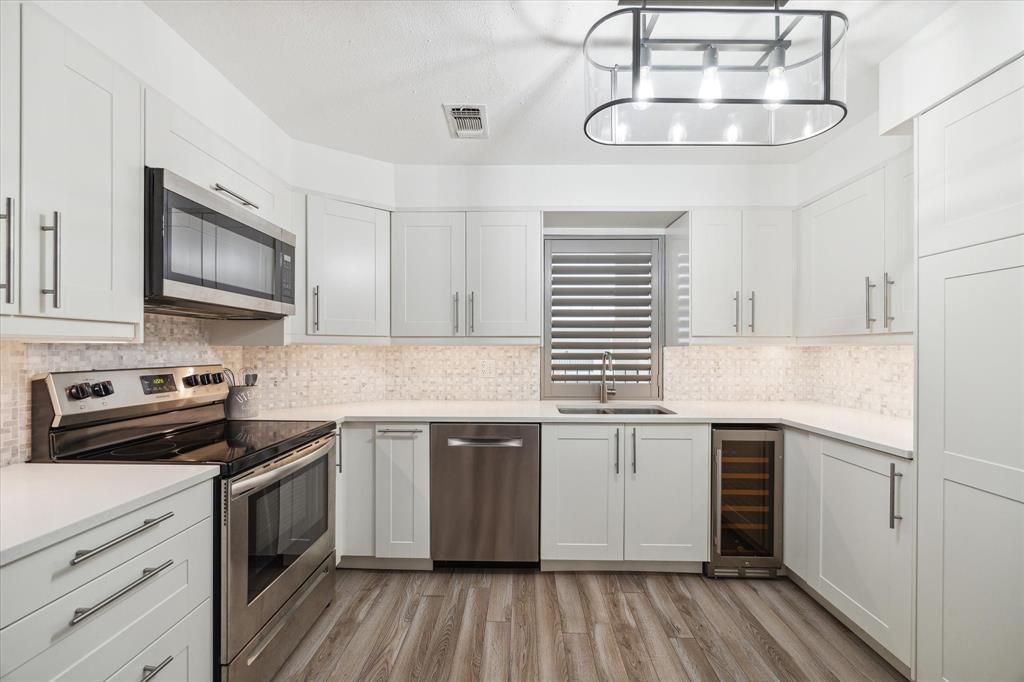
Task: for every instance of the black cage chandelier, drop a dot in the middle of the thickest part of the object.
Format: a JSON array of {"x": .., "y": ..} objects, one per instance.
[{"x": 725, "y": 76}]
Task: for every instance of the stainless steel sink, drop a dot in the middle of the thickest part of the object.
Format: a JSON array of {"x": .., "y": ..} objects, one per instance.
[{"x": 638, "y": 409}]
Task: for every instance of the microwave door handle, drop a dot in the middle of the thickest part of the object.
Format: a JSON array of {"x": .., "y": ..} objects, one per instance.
[
  {"x": 242, "y": 200},
  {"x": 262, "y": 480}
]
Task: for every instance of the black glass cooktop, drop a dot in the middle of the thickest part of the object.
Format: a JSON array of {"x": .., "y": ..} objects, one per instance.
[{"x": 234, "y": 445}]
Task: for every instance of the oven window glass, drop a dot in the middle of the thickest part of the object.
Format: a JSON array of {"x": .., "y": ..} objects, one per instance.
[{"x": 285, "y": 519}]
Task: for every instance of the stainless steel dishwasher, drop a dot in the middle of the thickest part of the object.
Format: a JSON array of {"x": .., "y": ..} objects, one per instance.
[{"x": 485, "y": 493}]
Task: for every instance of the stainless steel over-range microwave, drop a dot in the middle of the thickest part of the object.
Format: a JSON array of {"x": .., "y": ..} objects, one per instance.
[{"x": 209, "y": 256}]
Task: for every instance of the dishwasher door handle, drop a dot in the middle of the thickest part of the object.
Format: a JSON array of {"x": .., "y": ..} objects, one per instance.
[{"x": 485, "y": 442}]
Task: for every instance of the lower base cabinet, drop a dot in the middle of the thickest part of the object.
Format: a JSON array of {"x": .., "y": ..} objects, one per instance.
[
  {"x": 402, "y": 491},
  {"x": 849, "y": 534},
  {"x": 354, "y": 508},
  {"x": 625, "y": 492}
]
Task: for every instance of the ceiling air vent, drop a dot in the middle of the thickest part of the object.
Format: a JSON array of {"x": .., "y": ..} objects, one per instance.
[{"x": 466, "y": 121}]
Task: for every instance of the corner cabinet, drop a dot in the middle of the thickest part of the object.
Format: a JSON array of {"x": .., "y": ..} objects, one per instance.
[
  {"x": 856, "y": 256},
  {"x": 73, "y": 244},
  {"x": 348, "y": 259},
  {"x": 742, "y": 272},
  {"x": 402, "y": 491},
  {"x": 625, "y": 492},
  {"x": 472, "y": 274}
]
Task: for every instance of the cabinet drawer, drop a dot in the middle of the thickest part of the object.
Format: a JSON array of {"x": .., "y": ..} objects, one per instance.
[
  {"x": 180, "y": 143},
  {"x": 117, "y": 614},
  {"x": 182, "y": 654},
  {"x": 38, "y": 579}
]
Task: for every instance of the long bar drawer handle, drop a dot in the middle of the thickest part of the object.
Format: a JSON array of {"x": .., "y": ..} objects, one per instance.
[
  {"x": 485, "y": 442},
  {"x": 85, "y": 554},
  {"x": 151, "y": 671},
  {"x": 893, "y": 516},
  {"x": 8, "y": 218},
  {"x": 383, "y": 431},
  {"x": 245, "y": 202},
  {"x": 147, "y": 574}
]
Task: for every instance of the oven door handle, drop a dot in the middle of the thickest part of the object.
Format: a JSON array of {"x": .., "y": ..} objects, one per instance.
[{"x": 290, "y": 463}]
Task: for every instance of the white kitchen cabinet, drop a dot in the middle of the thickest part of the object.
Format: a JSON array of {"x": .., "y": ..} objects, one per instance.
[
  {"x": 354, "y": 506},
  {"x": 865, "y": 541},
  {"x": 624, "y": 492},
  {"x": 428, "y": 274},
  {"x": 582, "y": 492},
  {"x": 899, "y": 277},
  {"x": 667, "y": 492},
  {"x": 183, "y": 653},
  {"x": 10, "y": 160},
  {"x": 841, "y": 249},
  {"x": 179, "y": 142},
  {"x": 716, "y": 244},
  {"x": 742, "y": 282},
  {"x": 503, "y": 274},
  {"x": 970, "y": 584},
  {"x": 348, "y": 258},
  {"x": 402, "y": 491},
  {"x": 466, "y": 274},
  {"x": 81, "y": 244},
  {"x": 971, "y": 161},
  {"x": 800, "y": 499}
]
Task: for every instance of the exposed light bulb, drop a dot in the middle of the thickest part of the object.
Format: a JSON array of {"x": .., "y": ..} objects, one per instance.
[
  {"x": 644, "y": 90},
  {"x": 710, "y": 84},
  {"x": 776, "y": 89},
  {"x": 732, "y": 133},
  {"x": 677, "y": 133}
]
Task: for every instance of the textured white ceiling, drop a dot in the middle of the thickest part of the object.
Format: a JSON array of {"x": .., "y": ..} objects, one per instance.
[{"x": 369, "y": 77}]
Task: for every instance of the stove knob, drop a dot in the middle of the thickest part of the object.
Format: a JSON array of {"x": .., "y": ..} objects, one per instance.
[
  {"x": 80, "y": 391},
  {"x": 205, "y": 378},
  {"x": 218, "y": 378},
  {"x": 108, "y": 387},
  {"x": 191, "y": 380},
  {"x": 97, "y": 390}
]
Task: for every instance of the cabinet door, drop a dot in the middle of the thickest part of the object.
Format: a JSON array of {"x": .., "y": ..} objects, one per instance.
[
  {"x": 767, "y": 273},
  {"x": 716, "y": 244},
  {"x": 82, "y": 172},
  {"x": 799, "y": 488},
  {"x": 349, "y": 258},
  {"x": 899, "y": 290},
  {"x": 841, "y": 249},
  {"x": 402, "y": 486},
  {"x": 668, "y": 484},
  {"x": 581, "y": 492},
  {"x": 503, "y": 274},
  {"x": 970, "y": 151},
  {"x": 10, "y": 160},
  {"x": 970, "y": 586},
  {"x": 866, "y": 557},
  {"x": 354, "y": 507},
  {"x": 428, "y": 274}
]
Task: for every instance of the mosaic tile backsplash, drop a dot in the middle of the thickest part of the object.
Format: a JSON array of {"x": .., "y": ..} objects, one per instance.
[{"x": 874, "y": 378}]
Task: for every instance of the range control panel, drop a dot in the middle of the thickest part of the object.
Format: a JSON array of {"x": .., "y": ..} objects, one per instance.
[{"x": 96, "y": 391}]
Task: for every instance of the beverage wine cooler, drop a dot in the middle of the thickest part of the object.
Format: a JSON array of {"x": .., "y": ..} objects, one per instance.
[{"x": 746, "y": 482}]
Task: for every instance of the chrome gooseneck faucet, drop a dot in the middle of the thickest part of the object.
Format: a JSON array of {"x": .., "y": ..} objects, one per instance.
[{"x": 606, "y": 365}]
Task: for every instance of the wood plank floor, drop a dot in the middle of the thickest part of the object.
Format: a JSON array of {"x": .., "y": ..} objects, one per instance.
[{"x": 454, "y": 625}]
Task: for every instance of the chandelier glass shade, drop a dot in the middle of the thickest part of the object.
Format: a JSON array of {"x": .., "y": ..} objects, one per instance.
[{"x": 735, "y": 77}]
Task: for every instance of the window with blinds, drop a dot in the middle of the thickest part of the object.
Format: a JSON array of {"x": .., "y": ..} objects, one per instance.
[{"x": 602, "y": 296}]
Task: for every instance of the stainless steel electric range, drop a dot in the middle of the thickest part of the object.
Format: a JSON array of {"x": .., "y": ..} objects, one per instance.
[{"x": 275, "y": 499}]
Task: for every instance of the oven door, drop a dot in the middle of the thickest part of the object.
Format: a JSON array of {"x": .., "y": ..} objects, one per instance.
[{"x": 280, "y": 527}]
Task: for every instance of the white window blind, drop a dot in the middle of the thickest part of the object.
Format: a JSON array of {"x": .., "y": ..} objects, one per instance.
[{"x": 603, "y": 295}]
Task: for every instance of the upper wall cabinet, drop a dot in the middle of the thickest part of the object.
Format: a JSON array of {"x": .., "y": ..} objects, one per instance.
[
  {"x": 971, "y": 161},
  {"x": 348, "y": 254},
  {"x": 177, "y": 141},
  {"x": 855, "y": 250},
  {"x": 742, "y": 272},
  {"x": 466, "y": 274},
  {"x": 72, "y": 260}
]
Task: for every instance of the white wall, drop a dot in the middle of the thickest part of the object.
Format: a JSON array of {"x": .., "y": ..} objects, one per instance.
[
  {"x": 966, "y": 42},
  {"x": 605, "y": 186},
  {"x": 860, "y": 149}
]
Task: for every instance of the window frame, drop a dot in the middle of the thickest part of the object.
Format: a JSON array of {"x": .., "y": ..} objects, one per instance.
[{"x": 653, "y": 390}]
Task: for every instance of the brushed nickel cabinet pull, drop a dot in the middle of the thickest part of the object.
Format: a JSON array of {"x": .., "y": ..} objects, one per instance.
[
  {"x": 8, "y": 217},
  {"x": 55, "y": 228},
  {"x": 752, "y": 304},
  {"x": 736, "y": 322},
  {"x": 235, "y": 195},
  {"x": 616, "y": 451},
  {"x": 634, "y": 449},
  {"x": 316, "y": 308},
  {"x": 386, "y": 431},
  {"x": 472, "y": 313},
  {"x": 147, "y": 574},
  {"x": 85, "y": 554},
  {"x": 151, "y": 671},
  {"x": 455, "y": 304},
  {"x": 868, "y": 286},
  {"x": 887, "y": 301},
  {"x": 893, "y": 516}
]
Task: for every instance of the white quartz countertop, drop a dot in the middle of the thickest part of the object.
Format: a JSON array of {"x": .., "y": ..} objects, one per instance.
[
  {"x": 887, "y": 434},
  {"x": 41, "y": 504}
]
